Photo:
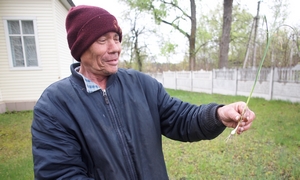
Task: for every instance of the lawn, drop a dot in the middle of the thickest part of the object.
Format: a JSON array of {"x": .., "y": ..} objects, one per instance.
[{"x": 269, "y": 150}]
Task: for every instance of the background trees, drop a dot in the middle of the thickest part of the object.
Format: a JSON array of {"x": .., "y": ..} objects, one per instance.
[
  {"x": 172, "y": 13},
  {"x": 204, "y": 44}
]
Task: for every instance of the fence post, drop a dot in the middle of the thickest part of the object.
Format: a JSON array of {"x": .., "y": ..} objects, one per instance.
[
  {"x": 271, "y": 84},
  {"x": 236, "y": 81},
  {"x": 175, "y": 80},
  {"x": 212, "y": 81},
  {"x": 163, "y": 78},
  {"x": 192, "y": 78}
]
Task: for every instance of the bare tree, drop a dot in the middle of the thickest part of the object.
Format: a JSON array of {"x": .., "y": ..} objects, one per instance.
[{"x": 133, "y": 41}]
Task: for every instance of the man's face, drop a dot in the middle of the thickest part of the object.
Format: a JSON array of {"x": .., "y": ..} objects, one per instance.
[{"x": 102, "y": 57}]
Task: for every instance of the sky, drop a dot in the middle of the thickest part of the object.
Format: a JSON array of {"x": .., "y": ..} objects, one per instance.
[{"x": 116, "y": 8}]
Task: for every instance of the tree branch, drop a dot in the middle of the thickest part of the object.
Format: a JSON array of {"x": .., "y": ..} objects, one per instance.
[
  {"x": 177, "y": 28},
  {"x": 177, "y": 7}
]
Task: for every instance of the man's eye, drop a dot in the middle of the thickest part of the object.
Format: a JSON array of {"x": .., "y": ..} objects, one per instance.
[{"x": 101, "y": 41}]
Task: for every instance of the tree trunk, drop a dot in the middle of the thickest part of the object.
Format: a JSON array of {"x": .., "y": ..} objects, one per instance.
[
  {"x": 192, "y": 38},
  {"x": 225, "y": 39},
  {"x": 137, "y": 53}
]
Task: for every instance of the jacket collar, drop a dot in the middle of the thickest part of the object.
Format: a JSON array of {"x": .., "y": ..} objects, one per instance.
[{"x": 80, "y": 81}]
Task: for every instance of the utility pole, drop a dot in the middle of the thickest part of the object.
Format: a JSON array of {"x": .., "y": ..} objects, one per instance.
[
  {"x": 248, "y": 45},
  {"x": 255, "y": 36}
]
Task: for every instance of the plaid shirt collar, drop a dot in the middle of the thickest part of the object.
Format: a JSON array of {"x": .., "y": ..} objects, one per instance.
[{"x": 89, "y": 85}]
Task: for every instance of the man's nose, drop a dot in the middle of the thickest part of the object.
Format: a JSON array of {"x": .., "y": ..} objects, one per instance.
[{"x": 114, "y": 46}]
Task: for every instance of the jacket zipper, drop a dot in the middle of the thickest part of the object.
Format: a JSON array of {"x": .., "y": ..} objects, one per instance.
[{"x": 116, "y": 121}]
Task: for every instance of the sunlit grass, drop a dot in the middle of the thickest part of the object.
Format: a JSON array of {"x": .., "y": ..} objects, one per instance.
[{"x": 269, "y": 150}]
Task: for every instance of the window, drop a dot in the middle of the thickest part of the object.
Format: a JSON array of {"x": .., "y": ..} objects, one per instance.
[{"x": 22, "y": 43}]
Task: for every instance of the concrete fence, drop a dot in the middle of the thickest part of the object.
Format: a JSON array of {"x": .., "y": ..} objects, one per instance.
[
  {"x": 273, "y": 83},
  {"x": 281, "y": 84}
]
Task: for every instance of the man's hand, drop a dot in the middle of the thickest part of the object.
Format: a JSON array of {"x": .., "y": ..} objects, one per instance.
[{"x": 231, "y": 114}]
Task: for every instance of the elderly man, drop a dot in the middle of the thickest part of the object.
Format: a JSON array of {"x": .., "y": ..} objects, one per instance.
[{"x": 107, "y": 123}]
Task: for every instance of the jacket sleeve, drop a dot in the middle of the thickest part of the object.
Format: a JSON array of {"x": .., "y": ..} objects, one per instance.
[
  {"x": 56, "y": 153},
  {"x": 187, "y": 122}
]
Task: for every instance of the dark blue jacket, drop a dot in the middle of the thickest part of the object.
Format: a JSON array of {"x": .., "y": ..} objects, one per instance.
[{"x": 113, "y": 134}]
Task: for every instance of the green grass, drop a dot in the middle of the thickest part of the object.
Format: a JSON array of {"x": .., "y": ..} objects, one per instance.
[
  {"x": 269, "y": 150},
  {"x": 15, "y": 146}
]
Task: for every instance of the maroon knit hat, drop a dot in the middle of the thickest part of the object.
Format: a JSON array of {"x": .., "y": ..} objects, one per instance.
[{"x": 85, "y": 24}]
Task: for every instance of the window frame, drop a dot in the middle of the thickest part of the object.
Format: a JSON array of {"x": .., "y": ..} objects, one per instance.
[{"x": 8, "y": 43}]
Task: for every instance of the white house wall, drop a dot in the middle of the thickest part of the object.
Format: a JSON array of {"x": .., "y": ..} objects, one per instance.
[
  {"x": 54, "y": 56},
  {"x": 64, "y": 55}
]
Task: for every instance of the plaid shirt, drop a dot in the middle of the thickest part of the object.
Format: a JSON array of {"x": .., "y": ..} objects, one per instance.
[{"x": 89, "y": 85}]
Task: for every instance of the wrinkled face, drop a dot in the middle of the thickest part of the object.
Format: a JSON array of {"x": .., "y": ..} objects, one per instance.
[{"x": 101, "y": 59}]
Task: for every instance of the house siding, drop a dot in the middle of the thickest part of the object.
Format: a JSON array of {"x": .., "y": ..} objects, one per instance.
[
  {"x": 26, "y": 85},
  {"x": 63, "y": 51}
]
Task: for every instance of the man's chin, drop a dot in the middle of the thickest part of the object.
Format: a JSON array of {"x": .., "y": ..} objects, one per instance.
[{"x": 112, "y": 71}]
